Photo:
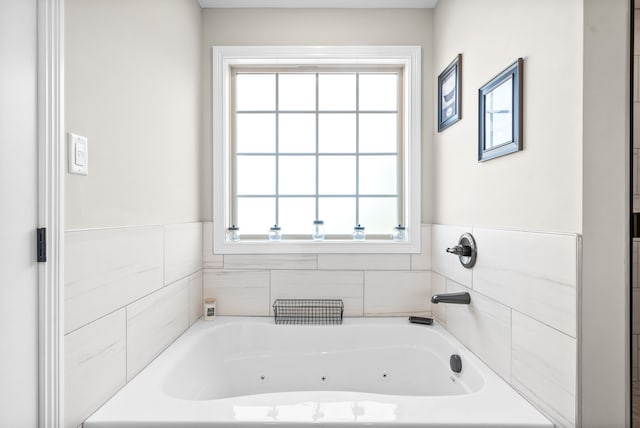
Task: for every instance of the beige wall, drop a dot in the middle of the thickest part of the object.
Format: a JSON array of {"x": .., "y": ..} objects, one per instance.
[
  {"x": 540, "y": 187},
  {"x": 132, "y": 87},
  {"x": 317, "y": 27}
]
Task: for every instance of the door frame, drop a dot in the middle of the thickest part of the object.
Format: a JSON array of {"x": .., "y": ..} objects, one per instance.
[{"x": 50, "y": 84}]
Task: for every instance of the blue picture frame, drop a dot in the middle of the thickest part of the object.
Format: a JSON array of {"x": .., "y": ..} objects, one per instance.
[
  {"x": 449, "y": 94},
  {"x": 500, "y": 114}
]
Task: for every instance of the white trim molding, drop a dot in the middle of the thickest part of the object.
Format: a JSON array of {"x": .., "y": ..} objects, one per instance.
[
  {"x": 406, "y": 57},
  {"x": 51, "y": 212},
  {"x": 319, "y": 4}
]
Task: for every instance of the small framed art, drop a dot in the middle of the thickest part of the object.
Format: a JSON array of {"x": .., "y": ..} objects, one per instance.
[
  {"x": 449, "y": 94},
  {"x": 500, "y": 114}
]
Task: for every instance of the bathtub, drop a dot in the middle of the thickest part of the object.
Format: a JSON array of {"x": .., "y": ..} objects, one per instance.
[{"x": 381, "y": 372}]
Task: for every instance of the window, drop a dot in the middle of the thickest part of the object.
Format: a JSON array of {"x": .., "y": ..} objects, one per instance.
[
  {"x": 314, "y": 133},
  {"x": 316, "y": 145}
]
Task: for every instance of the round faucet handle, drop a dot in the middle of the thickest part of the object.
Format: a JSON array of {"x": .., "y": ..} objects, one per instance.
[{"x": 466, "y": 250}]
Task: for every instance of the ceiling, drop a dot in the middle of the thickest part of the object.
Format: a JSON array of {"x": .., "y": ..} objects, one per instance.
[{"x": 320, "y": 4}]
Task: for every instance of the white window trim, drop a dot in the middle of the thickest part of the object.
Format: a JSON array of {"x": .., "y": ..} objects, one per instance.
[{"x": 225, "y": 57}]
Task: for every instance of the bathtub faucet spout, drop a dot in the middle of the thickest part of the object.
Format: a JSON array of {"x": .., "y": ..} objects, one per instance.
[{"x": 460, "y": 298}]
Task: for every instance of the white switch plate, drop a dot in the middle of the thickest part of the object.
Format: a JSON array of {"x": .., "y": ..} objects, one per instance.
[{"x": 78, "y": 154}]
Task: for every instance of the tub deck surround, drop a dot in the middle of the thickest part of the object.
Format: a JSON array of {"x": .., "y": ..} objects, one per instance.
[
  {"x": 107, "y": 268},
  {"x": 95, "y": 365},
  {"x": 380, "y": 372},
  {"x": 484, "y": 326},
  {"x": 132, "y": 291},
  {"x": 369, "y": 284},
  {"x": 534, "y": 273},
  {"x": 182, "y": 250},
  {"x": 522, "y": 318},
  {"x": 153, "y": 322}
]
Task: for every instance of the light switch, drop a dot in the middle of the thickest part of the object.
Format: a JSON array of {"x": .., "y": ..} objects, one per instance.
[
  {"x": 81, "y": 157},
  {"x": 78, "y": 153}
]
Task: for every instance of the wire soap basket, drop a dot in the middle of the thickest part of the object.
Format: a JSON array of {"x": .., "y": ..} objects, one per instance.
[{"x": 308, "y": 311}]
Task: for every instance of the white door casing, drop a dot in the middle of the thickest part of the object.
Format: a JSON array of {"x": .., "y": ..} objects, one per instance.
[
  {"x": 51, "y": 169},
  {"x": 31, "y": 173}
]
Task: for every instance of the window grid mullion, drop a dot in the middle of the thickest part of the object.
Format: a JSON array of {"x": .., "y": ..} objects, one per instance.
[
  {"x": 277, "y": 154},
  {"x": 324, "y": 154},
  {"x": 345, "y": 195},
  {"x": 317, "y": 147},
  {"x": 357, "y": 148},
  {"x": 314, "y": 111}
]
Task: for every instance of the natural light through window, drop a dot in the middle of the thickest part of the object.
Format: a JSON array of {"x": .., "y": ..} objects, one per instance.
[
  {"x": 317, "y": 146},
  {"x": 308, "y": 134}
]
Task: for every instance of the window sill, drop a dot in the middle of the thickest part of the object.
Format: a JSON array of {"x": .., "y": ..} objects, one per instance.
[{"x": 333, "y": 246}]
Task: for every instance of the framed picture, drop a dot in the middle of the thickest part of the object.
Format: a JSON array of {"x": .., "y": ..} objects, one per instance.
[
  {"x": 449, "y": 91},
  {"x": 500, "y": 114}
]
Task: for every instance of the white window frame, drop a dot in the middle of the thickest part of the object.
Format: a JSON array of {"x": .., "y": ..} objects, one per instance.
[{"x": 226, "y": 57}]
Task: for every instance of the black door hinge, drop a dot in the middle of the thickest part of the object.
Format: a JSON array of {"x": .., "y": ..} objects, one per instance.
[{"x": 41, "y": 244}]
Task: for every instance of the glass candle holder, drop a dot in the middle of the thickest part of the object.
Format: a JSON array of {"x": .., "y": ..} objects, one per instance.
[
  {"x": 399, "y": 233},
  {"x": 275, "y": 234},
  {"x": 233, "y": 233},
  {"x": 358, "y": 233},
  {"x": 318, "y": 230}
]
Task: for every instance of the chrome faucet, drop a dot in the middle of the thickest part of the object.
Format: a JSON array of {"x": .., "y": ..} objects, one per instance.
[
  {"x": 463, "y": 298},
  {"x": 460, "y": 250},
  {"x": 466, "y": 250}
]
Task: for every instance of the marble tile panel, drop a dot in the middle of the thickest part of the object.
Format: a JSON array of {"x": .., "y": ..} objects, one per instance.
[
  {"x": 635, "y": 260},
  {"x": 636, "y": 122},
  {"x": 155, "y": 322},
  {"x": 364, "y": 261},
  {"x": 182, "y": 250},
  {"x": 636, "y": 31},
  {"x": 195, "y": 297},
  {"x": 95, "y": 366},
  {"x": 484, "y": 326},
  {"x": 636, "y": 165},
  {"x": 210, "y": 260},
  {"x": 636, "y": 79},
  {"x": 448, "y": 265},
  {"x": 345, "y": 285},
  {"x": 389, "y": 293},
  {"x": 439, "y": 286},
  {"x": 270, "y": 261},
  {"x": 635, "y": 316},
  {"x": 105, "y": 269},
  {"x": 634, "y": 357},
  {"x": 422, "y": 261},
  {"x": 543, "y": 368},
  {"x": 635, "y": 403},
  {"x": 238, "y": 292},
  {"x": 534, "y": 273}
]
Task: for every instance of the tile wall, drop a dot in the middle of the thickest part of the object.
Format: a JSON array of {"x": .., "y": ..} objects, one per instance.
[
  {"x": 369, "y": 285},
  {"x": 129, "y": 293},
  {"x": 522, "y": 318},
  {"x": 635, "y": 326},
  {"x": 521, "y": 321}
]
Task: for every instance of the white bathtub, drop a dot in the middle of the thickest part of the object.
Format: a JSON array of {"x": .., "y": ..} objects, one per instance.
[{"x": 382, "y": 372}]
